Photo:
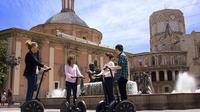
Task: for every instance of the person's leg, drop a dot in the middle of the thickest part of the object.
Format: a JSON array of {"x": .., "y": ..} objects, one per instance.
[
  {"x": 74, "y": 87},
  {"x": 35, "y": 82},
  {"x": 109, "y": 89},
  {"x": 30, "y": 89},
  {"x": 9, "y": 102},
  {"x": 122, "y": 88},
  {"x": 68, "y": 89}
]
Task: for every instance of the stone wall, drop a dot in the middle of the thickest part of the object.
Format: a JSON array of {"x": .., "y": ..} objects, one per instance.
[{"x": 143, "y": 102}]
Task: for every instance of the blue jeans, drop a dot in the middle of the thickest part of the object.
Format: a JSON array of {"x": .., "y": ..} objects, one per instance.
[
  {"x": 71, "y": 87},
  {"x": 122, "y": 88},
  {"x": 109, "y": 89},
  {"x": 32, "y": 86}
]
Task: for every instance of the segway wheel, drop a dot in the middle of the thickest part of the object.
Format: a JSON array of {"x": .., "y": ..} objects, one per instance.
[
  {"x": 22, "y": 107},
  {"x": 65, "y": 107},
  {"x": 125, "y": 106},
  {"x": 32, "y": 106},
  {"x": 101, "y": 107},
  {"x": 82, "y": 106},
  {"x": 112, "y": 106}
]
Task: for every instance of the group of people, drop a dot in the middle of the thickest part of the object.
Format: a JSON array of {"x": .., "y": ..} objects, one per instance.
[
  {"x": 6, "y": 97},
  {"x": 120, "y": 72}
]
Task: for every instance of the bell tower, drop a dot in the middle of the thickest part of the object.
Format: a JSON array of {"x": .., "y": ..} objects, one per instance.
[
  {"x": 67, "y": 5},
  {"x": 166, "y": 29}
]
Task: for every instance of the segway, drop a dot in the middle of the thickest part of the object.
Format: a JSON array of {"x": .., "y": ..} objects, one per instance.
[
  {"x": 35, "y": 105},
  {"x": 116, "y": 105},
  {"x": 76, "y": 106}
]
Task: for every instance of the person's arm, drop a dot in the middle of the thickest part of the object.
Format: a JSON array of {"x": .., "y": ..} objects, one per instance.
[
  {"x": 101, "y": 73},
  {"x": 114, "y": 68},
  {"x": 67, "y": 74},
  {"x": 35, "y": 61}
]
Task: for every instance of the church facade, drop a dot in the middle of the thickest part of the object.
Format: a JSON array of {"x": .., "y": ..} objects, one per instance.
[
  {"x": 172, "y": 50},
  {"x": 64, "y": 34}
]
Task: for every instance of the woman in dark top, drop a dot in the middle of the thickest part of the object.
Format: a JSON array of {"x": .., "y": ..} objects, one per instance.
[{"x": 32, "y": 63}]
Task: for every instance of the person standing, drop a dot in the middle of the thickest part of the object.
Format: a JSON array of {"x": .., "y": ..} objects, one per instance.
[
  {"x": 32, "y": 64},
  {"x": 3, "y": 98},
  {"x": 109, "y": 81},
  {"x": 9, "y": 97},
  {"x": 122, "y": 73},
  {"x": 71, "y": 71}
]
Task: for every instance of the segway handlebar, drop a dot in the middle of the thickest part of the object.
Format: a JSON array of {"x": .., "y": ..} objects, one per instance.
[
  {"x": 78, "y": 77},
  {"x": 46, "y": 70},
  {"x": 110, "y": 70},
  {"x": 106, "y": 68}
]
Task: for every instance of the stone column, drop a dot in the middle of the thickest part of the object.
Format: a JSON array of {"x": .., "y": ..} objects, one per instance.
[
  {"x": 129, "y": 75},
  {"x": 9, "y": 51},
  {"x": 157, "y": 76},
  {"x": 173, "y": 76},
  {"x": 165, "y": 75},
  {"x": 101, "y": 62},
  {"x": 89, "y": 59},
  {"x": 51, "y": 72},
  {"x": 16, "y": 76}
]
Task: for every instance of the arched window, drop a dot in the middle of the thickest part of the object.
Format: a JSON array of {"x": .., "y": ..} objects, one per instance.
[
  {"x": 161, "y": 75},
  {"x": 153, "y": 76},
  {"x": 169, "y": 75},
  {"x": 176, "y": 74}
]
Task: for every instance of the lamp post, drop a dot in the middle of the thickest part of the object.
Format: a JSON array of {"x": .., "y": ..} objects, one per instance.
[{"x": 12, "y": 61}]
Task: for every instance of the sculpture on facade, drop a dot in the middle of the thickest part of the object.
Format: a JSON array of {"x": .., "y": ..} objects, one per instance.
[{"x": 144, "y": 83}]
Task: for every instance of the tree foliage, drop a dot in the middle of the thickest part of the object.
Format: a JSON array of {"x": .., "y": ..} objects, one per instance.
[{"x": 3, "y": 66}]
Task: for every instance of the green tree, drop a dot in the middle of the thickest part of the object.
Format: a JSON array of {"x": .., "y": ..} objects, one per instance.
[{"x": 3, "y": 65}]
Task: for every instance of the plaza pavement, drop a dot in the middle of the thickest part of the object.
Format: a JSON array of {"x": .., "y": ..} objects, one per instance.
[{"x": 56, "y": 110}]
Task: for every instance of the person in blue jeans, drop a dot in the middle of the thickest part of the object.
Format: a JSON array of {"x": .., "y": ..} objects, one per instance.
[
  {"x": 32, "y": 63},
  {"x": 121, "y": 74}
]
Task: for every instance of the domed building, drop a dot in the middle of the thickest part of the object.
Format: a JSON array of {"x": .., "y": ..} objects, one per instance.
[
  {"x": 68, "y": 22},
  {"x": 62, "y": 35}
]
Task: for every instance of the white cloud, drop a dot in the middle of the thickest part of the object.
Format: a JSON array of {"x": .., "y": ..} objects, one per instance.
[
  {"x": 120, "y": 21},
  {"x": 127, "y": 21}
]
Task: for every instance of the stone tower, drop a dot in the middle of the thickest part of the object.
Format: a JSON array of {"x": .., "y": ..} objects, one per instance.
[{"x": 166, "y": 28}]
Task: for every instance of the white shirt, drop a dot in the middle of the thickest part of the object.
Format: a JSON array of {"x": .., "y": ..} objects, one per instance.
[
  {"x": 106, "y": 72},
  {"x": 72, "y": 72}
]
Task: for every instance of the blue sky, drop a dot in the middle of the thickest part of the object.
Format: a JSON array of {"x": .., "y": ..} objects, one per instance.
[{"x": 120, "y": 21}]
